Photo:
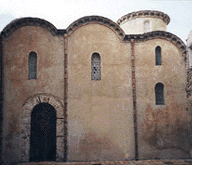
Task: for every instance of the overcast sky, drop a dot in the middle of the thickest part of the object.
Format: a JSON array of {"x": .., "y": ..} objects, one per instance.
[{"x": 61, "y": 13}]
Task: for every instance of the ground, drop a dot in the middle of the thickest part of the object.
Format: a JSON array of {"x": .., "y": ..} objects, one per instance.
[{"x": 140, "y": 162}]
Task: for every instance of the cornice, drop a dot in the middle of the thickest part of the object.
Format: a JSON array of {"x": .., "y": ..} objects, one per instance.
[
  {"x": 14, "y": 25},
  {"x": 95, "y": 19},
  {"x": 158, "y": 34},
  {"x": 144, "y": 14},
  {"x": 18, "y": 23}
]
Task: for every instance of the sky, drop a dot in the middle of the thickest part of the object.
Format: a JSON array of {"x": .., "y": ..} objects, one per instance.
[{"x": 61, "y": 13}]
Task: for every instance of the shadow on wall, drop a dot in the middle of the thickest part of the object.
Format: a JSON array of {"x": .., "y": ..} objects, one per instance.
[{"x": 168, "y": 128}]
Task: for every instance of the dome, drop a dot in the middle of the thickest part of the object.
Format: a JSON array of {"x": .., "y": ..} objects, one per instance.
[{"x": 144, "y": 21}]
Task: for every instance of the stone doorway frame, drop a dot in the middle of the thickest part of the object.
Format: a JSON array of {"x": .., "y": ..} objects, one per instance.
[{"x": 25, "y": 125}]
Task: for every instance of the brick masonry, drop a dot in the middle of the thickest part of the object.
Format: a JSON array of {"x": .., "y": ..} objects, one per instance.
[{"x": 25, "y": 125}]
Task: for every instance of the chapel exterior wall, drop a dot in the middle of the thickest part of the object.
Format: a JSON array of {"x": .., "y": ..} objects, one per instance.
[
  {"x": 100, "y": 116},
  {"x": 162, "y": 129},
  {"x": 96, "y": 118},
  {"x": 1, "y": 99},
  {"x": 18, "y": 88},
  {"x": 189, "y": 82}
]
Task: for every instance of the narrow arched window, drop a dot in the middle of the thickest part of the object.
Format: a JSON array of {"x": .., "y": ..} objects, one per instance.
[
  {"x": 146, "y": 26},
  {"x": 159, "y": 91},
  {"x": 32, "y": 64},
  {"x": 158, "y": 55},
  {"x": 96, "y": 66}
]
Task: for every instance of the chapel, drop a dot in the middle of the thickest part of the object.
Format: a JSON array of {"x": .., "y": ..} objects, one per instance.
[{"x": 96, "y": 90}]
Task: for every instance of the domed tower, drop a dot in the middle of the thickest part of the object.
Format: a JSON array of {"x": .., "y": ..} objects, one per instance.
[{"x": 144, "y": 21}]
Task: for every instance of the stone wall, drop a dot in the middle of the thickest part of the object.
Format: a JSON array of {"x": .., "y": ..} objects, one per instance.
[
  {"x": 189, "y": 105},
  {"x": 114, "y": 118},
  {"x": 1, "y": 99},
  {"x": 162, "y": 129},
  {"x": 189, "y": 83},
  {"x": 100, "y": 116},
  {"x": 18, "y": 88}
]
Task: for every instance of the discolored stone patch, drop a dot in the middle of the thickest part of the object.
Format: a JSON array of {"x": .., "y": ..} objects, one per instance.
[
  {"x": 93, "y": 147},
  {"x": 167, "y": 128}
]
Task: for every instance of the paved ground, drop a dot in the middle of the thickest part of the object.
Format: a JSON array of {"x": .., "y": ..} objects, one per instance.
[{"x": 140, "y": 162}]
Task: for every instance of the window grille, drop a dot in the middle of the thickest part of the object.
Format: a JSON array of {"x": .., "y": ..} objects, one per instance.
[{"x": 96, "y": 66}]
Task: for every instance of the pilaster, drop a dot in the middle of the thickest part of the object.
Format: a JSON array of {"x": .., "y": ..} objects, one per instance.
[
  {"x": 134, "y": 96},
  {"x": 65, "y": 95}
]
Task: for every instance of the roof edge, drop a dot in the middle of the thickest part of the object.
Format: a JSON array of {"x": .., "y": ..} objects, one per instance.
[
  {"x": 158, "y": 34},
  {"x": 29, "y": 21},
  {"x": 95, "y": 19},
  {"x": 144, "y": 14}
]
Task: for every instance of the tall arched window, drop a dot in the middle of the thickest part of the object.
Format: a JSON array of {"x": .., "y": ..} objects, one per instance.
[
  {"x": 32, "y": 64},
  {"x": 159, "y": 94},
  {"x": 146, "y": 26},
  {"x": 96, "y": 66},
  {"x": 158, "y": 55}
]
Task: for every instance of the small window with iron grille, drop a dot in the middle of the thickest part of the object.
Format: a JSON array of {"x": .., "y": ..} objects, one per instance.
[{"x": 96, "y": 66}]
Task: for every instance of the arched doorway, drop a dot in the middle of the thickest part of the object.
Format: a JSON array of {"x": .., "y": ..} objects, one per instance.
[{"x": 43, "y": 133}]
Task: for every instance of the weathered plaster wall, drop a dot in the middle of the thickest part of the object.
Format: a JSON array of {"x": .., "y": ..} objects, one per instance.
[
  {"x": 100, "y": 118},
  {"x": 1, "y": 98},
  {"x": 17, "y": 87},
  {"x": 189, "y": 80},
  {"x": 136, "y": 26},
  {"x": 162, "y": 129}
]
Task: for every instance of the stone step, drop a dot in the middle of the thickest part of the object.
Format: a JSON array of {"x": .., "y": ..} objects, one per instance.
[{"x": 132, "y": 162}]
